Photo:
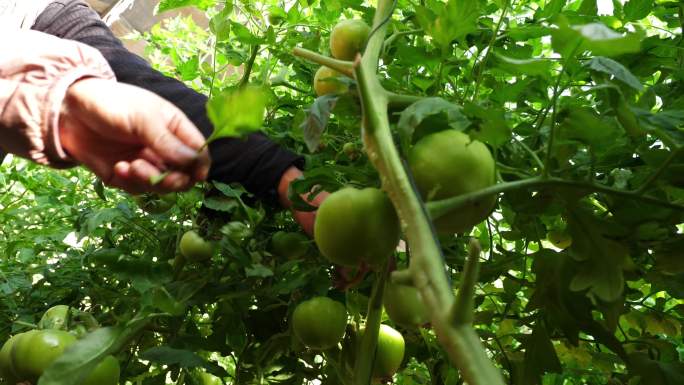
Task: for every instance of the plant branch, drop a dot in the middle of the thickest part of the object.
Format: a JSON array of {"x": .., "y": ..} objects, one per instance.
[
  {"x": 673, "y": 155},
  {"x": 489, "y": 49},
  {"x": 249, "y": 66},
  {"x": 363, "y": 366},
  {"x": 401, "y": 101},
  {"x": 554, "y": 105},
  {"x": 341, "y": 66},
  {"x": 441, "y": 207}
]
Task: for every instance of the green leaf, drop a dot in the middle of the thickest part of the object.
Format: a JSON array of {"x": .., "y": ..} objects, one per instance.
[
  {"x": 412, "y": 118},
  {"x": 80, "y": 359},
  {"x": 540, "y": 356},
  {"x": 551, "y": 9},
  {"x": 588, "y": 7},
  {"x": 167, "y": 5},
  {"x": 637, "y": 9},
  {"x": 451, "y": 21},
  {"x": 601, "y": 259},
  {"x": 584, "y": 125},
  {"x": 166, "y": 355},
  {"x": 188, "y": 69},
  {"x": 611, "y": 67},
  {"x": 220, "y": 24},
  {"x": 235, "y": 113},
  {"x": 243, "y": 34},
  {"x": 316, "y": 119},
  {"x": 594, "y": 37},
  {"x": 532, "y": 67},
  {"x": 258, "y": 270},
  {"x": 489, "y": 124},
  {"x": 654, "y": 372}
]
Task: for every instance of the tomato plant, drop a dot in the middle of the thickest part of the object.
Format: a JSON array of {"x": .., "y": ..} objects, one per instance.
[{"x": 526, "y": 167}]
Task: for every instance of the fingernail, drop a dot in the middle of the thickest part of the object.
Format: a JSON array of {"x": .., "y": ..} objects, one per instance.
[{"x": 186, "y": 152}]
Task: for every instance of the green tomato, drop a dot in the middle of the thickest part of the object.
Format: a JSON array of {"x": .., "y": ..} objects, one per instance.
[
  {"x": 194, "y": 248},
  {"x": 6, "y": 368},
  {"x": 326, "y": 81},
  {"x": 319, "y": 323},
  {"x": 205, "y": 378},
  {"x": 107, "y": 372},
  {"x": 389, "y": 351},
  {"x": 447, "y": 164},
  {"x": 154, "y": 203},
  {"x": 354, "y": 226},
  {"x": 404, "y": 305},
  {"x": 56, "y": 317},
  {"x": 350, "y": 150},
  {"x": 560, "y": 239},
  {"x": 289, "y": 245},
  {"x": 348, "y": 38},
  {"x": 34, "y": 351}
]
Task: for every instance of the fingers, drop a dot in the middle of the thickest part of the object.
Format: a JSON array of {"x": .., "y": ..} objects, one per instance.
[
  {"x": 176, "y": 140},
  {"x": 138, "y": 176}
]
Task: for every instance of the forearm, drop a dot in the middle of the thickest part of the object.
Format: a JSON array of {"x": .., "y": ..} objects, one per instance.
[{"x": 36, "y": 70}]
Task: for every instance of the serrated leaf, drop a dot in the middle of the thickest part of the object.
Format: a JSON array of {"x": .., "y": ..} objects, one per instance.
[
  {"x": 451, "y": 21},
  {"x": 614, "y": 68},
  {"x": 235, "y": 113},
  {"x": 601, "y": 259},
  {"x": 637, "y": 9},
  {"x": 258, "y": 270},
  {"x": 188, "y": 69},
  {"x": 584, "y": 125}
]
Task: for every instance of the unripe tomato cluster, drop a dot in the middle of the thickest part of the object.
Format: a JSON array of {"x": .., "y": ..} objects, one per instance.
[
  {"x": 25, "y": 356},
  {"x": 347, "y": 39},
  {"x": 320, "y": 323}
]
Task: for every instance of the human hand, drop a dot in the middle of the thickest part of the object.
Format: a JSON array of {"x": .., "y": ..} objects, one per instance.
[
  {"x": 127, "y": 136},
  {"x": 306, "y": 219}
]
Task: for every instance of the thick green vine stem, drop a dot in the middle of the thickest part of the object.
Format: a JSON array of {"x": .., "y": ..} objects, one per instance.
[
  {"x": 427, "y": 265},
  {"x": 460, "y": 341},
  {"x": 363, "y": 365}
]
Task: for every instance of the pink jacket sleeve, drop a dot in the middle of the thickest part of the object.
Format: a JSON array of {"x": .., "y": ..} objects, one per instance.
[{"x": 35, "y": 71}]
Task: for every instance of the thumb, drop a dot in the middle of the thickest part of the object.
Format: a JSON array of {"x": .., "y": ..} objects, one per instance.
[{"x": 161, "y": 136}]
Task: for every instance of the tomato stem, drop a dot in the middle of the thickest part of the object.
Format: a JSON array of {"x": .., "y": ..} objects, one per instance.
[
  {"x": 441, "y": 207},
  {"x": 363, "y": 366},
  {"x": 342, "y": 66},
  {"x": 462, "y": 313}
]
